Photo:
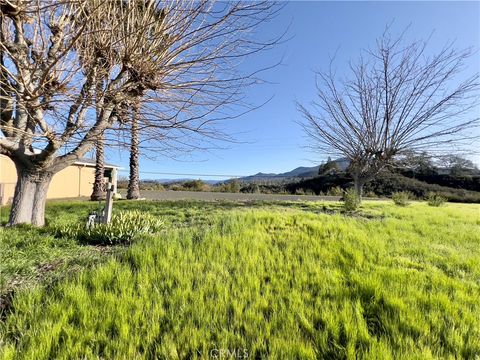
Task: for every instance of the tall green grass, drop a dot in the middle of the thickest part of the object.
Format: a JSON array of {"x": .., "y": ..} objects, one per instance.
[{"x": 279, "y": 282}]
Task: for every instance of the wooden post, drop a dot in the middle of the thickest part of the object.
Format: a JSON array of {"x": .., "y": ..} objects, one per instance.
[
  {"x": 109, "y": 205},
  {"x": 2, "y": 194}
]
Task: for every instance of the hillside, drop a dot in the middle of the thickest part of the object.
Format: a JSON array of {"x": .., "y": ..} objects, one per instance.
[
  {"x": 462, "y": 187},
  {"x": 387, "y": 183}
]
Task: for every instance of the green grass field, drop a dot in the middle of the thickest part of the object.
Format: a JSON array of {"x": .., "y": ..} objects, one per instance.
[{"x": 278, "y": 281}]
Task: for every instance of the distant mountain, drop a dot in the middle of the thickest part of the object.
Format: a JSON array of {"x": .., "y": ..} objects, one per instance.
[
  {"x": 299, "y": 172},
  {"x": 302, "y": 171},
  {"x": 174, "y": 181}
]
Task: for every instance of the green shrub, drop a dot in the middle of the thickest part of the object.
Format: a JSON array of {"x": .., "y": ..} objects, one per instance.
[
  {"x": 434, "y": 199},
  {"x": 151, "y": 186},
  {"x": 196, "y": 185},
  {"x": 67, "y": 231},
  {"x": 122, "y": 229},
  {"x": 300, "y": 191},
  {"x": 351, "y": 201},
  {"x": 175, "y": 187},
  {"x": 250, "y": 189},
  {"x": 402, "y": 198},
  {"x": 233, "y": 186},
  {"x": 335, "y": 191},
  {"x": 230, "y": 186}
]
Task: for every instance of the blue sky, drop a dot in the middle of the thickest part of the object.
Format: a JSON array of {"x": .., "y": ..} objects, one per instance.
[{"x": 269, "y": 138}]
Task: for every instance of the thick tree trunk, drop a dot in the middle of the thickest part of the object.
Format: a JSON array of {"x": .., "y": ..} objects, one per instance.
[
  {"x": 133, "y": 184},
  {"x": 358, "y": 182},
  {"x": 98, "y": 192},
  {"x": 28, "y": 206}
]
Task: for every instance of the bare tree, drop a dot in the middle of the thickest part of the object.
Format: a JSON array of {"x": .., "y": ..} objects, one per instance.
[
  {"x": 421, "y": 163},
  {"x": 457, "y": 164},
  {"x": 185, "y": 119},
  {"x": 59, "y": 60},
  {"x": 398, "y": 99}
]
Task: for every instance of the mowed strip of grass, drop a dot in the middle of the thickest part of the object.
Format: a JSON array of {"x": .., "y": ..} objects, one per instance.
[{"x": 273, "y": 282}]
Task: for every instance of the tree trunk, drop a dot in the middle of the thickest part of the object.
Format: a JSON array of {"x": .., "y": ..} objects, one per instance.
[
  {"x": 133, "y": 184},
  {"x": 358, "y": 182},
  {"x": 28, "y": 206},
  {"x": 98, "y": 185}
]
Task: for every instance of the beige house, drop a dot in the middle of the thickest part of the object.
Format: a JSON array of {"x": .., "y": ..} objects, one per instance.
[{"x": 72, "y": 182}]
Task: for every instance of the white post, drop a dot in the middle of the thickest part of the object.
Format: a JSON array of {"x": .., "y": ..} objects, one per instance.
[
  {"x": 109, "y": 204},
  {"x": 114, "y": 179}
]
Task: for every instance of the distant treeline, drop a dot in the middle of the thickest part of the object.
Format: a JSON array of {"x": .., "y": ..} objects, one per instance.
[
  {"x": 459, "y": 189},
  {"x": 456, "y": 188}
]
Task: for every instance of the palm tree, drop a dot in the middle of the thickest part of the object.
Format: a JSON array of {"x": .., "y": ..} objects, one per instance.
[
  {"x": 98, "y": 192},
  {"x": 133, "y": 185}
]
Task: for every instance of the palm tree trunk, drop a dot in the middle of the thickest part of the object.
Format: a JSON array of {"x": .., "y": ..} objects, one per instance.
[
  {"x": 133, "y": 184},
  {"x": 98, "y": 186}
]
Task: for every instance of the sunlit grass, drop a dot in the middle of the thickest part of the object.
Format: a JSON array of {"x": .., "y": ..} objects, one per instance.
[{"x": 285, "y": 281}]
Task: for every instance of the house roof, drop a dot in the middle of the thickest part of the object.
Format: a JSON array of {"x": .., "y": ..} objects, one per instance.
[
  {"x": 86, "y": 162},
  {"x": 91, "y": 163}
]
